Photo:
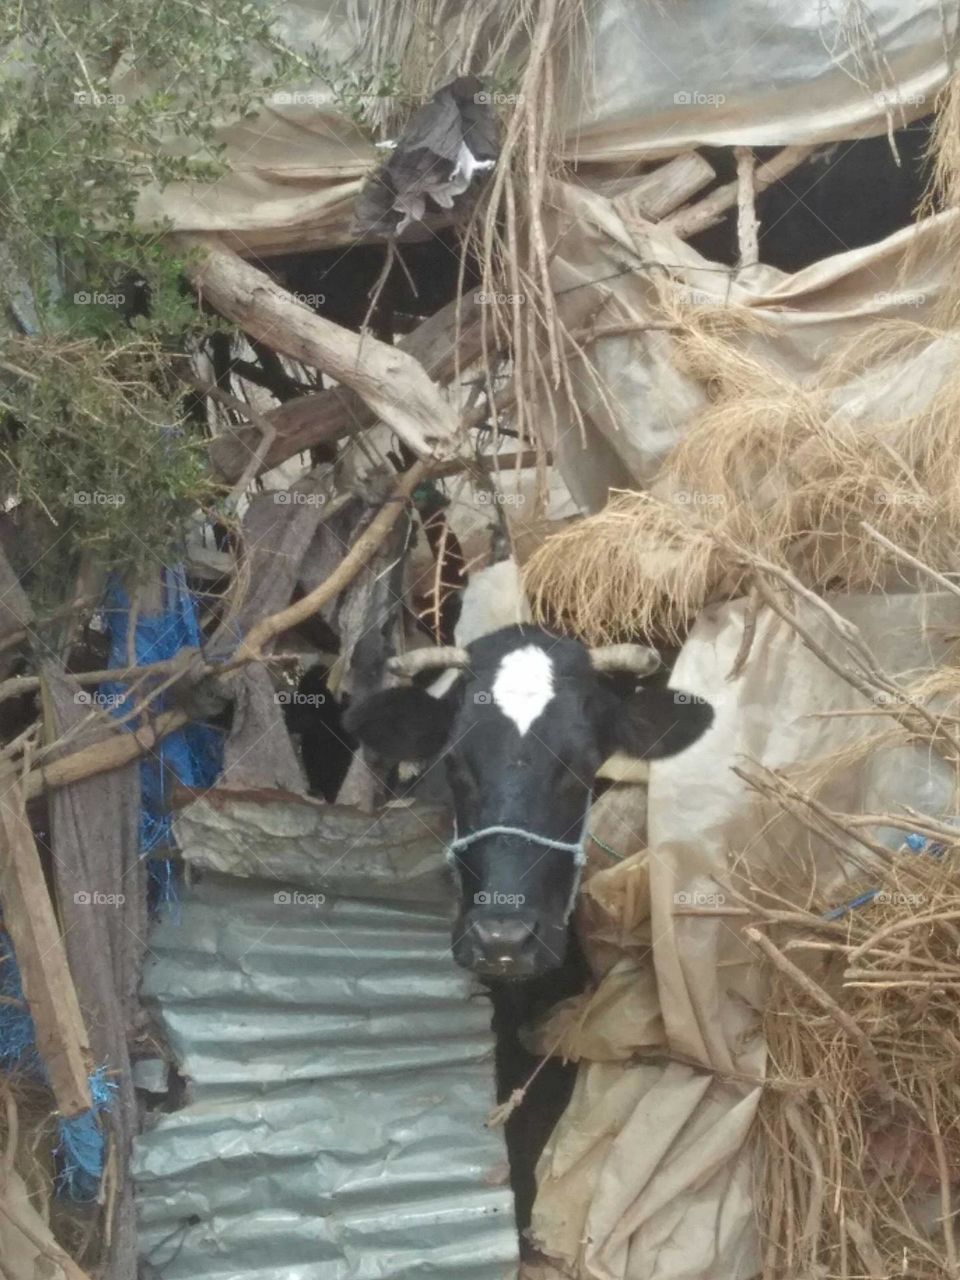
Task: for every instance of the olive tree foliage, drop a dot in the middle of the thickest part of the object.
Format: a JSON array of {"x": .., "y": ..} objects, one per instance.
[{"x": 97, "y": 100}]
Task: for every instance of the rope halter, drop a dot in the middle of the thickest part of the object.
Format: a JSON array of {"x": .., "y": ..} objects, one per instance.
[{"x": 576, "y": 848}]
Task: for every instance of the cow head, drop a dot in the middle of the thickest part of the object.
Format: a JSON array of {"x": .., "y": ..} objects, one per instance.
[{"x": 523, "y": 730}]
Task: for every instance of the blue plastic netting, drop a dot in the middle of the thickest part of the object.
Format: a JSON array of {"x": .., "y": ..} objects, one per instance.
[
  {"x": 18, "y": 1047},
  {"x": 79, "y": 1150},
  {"x": 192, "y": 756}
]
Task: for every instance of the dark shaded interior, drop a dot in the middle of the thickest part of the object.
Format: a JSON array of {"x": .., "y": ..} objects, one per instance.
[{"x": 848, "y": 194}]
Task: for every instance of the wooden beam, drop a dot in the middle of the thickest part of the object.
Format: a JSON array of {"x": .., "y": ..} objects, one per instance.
[
  {"x": 100, "y": 757},
  {"x": 394, "y": 385},
  {"x": 330, "y": 415},
  {"x": 712, "y": 208},
  {"x": 30, "y": 920},
  {"x": 658, "y": 193},
  {"x": 435, "y": 344}
]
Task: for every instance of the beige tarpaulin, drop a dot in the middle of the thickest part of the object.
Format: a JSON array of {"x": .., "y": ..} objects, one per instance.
[
  {"x": 648, "y": 1174},
  {"x": 650, "y": 80},
  {"x": 603, "y": 272}
]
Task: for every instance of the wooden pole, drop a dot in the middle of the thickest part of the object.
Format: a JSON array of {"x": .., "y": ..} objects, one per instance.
[
  {"x": 712, "y": 208},
  {"x": 330, "y": 415},
  {"x": 29, "y": 919}
]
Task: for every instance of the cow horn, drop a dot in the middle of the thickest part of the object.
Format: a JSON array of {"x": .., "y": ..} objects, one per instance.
[
  {"x": 638, "y": 658},
  {"x": 427, "y": 659}
]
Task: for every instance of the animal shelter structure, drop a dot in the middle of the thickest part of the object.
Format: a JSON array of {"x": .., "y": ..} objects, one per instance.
[{"x": 671, "y": 358}]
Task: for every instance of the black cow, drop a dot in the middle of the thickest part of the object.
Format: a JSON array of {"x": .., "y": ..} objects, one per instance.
[{"x": 523, "y": 730}]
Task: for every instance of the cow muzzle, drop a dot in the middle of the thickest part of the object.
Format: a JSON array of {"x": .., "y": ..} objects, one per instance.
[{"x": 510, "y": 945}]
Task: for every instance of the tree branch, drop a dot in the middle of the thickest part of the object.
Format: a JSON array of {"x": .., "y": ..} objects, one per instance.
[{"x": 123, "y": 747}]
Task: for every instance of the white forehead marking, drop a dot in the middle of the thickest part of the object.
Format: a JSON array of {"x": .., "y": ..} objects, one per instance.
[{"x": 523, "y": 685}]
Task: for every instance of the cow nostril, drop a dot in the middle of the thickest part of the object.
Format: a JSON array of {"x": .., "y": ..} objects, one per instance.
[{"x": 502, "y": 937}]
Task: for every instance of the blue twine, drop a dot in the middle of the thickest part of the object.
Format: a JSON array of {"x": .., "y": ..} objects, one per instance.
[
  {"x": 836, "y": 912},
  {"x": 80, "y": 1150}
]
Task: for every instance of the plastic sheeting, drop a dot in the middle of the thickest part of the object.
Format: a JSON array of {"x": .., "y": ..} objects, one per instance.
[
  {"x": 600, "y": 274},
  {"x": 648, "y": 1175},
  {"x": 339, "y": 1065},
  {"x": 666, "y": 77},
  {"x": 649, "y": 80}
]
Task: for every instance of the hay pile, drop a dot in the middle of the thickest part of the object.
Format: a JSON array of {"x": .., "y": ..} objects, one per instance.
[
  {"x": 861, "y": 1140},
  {"x": 860, "y": 1121}
]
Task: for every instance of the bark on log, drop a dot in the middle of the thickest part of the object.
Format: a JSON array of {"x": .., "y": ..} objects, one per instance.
[
  {"x": 395, "y": 386},
  {"x": 657, "y": 194}
]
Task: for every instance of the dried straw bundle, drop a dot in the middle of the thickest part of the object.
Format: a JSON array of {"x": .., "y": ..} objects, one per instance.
[{"x": 861, "y": 1129}]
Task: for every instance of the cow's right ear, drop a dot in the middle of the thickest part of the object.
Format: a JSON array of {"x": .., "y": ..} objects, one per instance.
[{"x": 401, "y": 724}]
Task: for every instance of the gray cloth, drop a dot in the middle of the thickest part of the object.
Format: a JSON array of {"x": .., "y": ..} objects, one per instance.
[{"x": 277, "y": 529}]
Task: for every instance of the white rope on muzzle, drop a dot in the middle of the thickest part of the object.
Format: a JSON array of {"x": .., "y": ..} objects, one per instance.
[{"x": 576, "y": 848}]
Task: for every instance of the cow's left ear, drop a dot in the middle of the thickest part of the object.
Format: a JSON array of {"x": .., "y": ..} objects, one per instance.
[{"x": 653, "y": 723}]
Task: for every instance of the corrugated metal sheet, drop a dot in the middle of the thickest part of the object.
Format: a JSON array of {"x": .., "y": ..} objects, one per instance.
[{"x": 340, "y": 1069}]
